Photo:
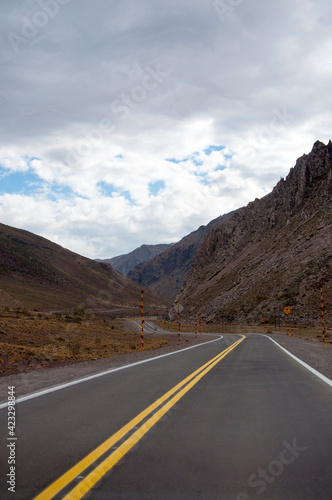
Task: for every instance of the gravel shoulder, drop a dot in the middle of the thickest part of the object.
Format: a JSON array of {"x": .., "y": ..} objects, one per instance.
[{"x": 308, "y": 351}]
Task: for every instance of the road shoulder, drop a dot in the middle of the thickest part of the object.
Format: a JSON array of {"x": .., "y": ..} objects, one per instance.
[{"x": 311, "y": 352}]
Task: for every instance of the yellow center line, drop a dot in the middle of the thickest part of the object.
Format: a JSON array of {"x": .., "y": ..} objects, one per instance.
[{"x": 100, "y": 470}]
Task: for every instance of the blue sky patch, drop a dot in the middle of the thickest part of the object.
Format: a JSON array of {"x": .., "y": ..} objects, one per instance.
[
  {"x": 155, "y": 187},
  {"x": 212, "y": 148},
  {"x": 18, "y": 182},
  {"x": 29, "y": 159},
  {"x": 195, "y": 157},
  {"x": 173, "y": 160},
  {"x": 30, "y": 184},
  {"x": 106, "y": 189},
  {"x": 59, "y": 192},
  {"x": 109, "y": 190},
  {"x": 203, "y": 179}
]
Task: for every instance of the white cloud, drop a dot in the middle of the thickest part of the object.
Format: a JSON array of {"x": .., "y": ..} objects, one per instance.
[{"x": 96, "y": 101}]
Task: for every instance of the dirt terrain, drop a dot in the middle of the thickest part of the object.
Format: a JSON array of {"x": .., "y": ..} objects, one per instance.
[{"x": 31, "y": 341}]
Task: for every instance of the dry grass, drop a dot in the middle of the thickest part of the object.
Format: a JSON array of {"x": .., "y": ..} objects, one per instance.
[{"x": 30, "y": 341}]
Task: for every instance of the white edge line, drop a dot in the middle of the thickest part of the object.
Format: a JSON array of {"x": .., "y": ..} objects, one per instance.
[
  {"x": 101, "y": 374},
  {"x": 308, "y": 367}
]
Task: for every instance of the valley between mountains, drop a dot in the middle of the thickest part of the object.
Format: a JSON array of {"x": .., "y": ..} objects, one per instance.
[{"x": 241, "y": 269}]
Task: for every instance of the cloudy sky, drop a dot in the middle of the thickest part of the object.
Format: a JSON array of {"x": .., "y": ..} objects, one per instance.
[{"x": 126, "y": 122}]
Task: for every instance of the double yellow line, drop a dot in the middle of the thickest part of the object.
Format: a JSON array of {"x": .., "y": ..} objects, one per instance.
[{"x": 81, "y": 478}]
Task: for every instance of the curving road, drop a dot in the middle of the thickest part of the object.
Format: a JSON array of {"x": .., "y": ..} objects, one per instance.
[{"x": 233, "y": 419}]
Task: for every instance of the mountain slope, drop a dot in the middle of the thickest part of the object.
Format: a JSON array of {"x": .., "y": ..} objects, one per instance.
[
  {"x": 43, "y": 275},
  {"x": 124, "y": 263},
  {"x": 272, "y": 253},
  {"x": 166, "y": 273}
]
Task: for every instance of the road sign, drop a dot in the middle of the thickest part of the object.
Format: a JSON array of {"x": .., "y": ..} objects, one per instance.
[
  {"x": 287, "y": 310},
  {"x": 178, "y": 307}
]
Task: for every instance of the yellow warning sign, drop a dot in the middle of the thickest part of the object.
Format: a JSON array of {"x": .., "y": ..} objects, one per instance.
[{"x": 287, "y": 310}]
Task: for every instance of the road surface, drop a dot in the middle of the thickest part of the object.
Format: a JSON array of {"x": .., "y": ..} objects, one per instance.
[{"x": 233, "y": 419}]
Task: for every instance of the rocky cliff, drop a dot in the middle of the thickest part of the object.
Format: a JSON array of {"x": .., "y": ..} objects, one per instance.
[
  {"x": 165, "y": 273},
  {"x": 272, "y": 253}
]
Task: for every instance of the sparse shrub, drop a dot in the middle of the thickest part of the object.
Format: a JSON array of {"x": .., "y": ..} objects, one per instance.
[
  {"x": 79, "y": 311},
  {"x": 71, "y": 319},
  {"x": 74, "y": 347}
]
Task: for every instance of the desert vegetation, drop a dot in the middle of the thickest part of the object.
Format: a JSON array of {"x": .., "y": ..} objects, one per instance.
[{"x": 34, "y": 340}]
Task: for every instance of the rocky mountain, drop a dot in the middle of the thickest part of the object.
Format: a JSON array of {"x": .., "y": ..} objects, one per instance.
[
  {"x": 38, "y": 274},
  {"x": 272, "y": 253},
  {"x": 124, "y": 263},
  {"x": 165, "y": 273}
]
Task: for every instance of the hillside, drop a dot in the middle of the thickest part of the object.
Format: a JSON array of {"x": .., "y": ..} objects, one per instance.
[
  {"x": 166, "y": 273},
  {"x": 38, "y": 274},
  {"x": 124, "y": 263},
  {"x": 272, "y": 253}
]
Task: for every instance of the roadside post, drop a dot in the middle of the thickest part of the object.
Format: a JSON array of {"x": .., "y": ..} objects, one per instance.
[
  {"x": 322, "y": 306},
  {"x": 142, "y": 315},
  {"x": 200, "y": 324},
  {"x": 196, "y": 323},
  {"x": 179, "y": 309},
  {"x": 287, "y": 310},
  {"x": 291, "y": 322}
]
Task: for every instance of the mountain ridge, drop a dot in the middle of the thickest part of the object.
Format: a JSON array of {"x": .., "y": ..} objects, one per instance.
[
  {"x": 125, "y": 262},
  {"x": 165, "y": 273},
  {"x": 43, "y": 275},
  {"x": 282, "y": 248}
]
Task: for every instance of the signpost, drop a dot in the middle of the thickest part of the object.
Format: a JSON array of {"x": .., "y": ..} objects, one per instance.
[
  {"x": 287, "y": 310},
  {"x": 142, "y": 336},
  {"x": 179, "y": 308},
  {"x": 322, "y": 306},
  {"x": 291, "y": 322}
]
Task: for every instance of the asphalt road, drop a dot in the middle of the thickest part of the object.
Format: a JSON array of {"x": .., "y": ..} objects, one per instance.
[{"x": 251, "y": 424}]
